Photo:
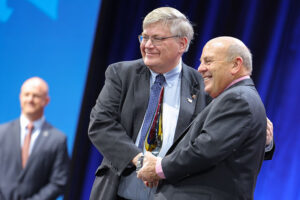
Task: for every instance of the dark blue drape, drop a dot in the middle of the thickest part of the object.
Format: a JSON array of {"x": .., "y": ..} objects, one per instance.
[{"x": 271, "y": 29}]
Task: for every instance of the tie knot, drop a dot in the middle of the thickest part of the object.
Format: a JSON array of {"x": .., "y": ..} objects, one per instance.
[
  {"x": 30, "y": 127},
  {"x": 160, "y": 79}
]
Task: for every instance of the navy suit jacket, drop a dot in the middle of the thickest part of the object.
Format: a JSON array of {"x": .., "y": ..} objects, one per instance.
[{"x": 45, "y": 174}]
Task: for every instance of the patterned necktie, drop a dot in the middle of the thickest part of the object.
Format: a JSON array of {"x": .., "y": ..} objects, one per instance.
[
  {"x": 26, "y": 145},
  {"x": 152, "y": 126}
]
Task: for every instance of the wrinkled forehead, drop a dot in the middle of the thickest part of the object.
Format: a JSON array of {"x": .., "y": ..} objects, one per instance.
[
  {"x": 217, "y": 45},
  {"x": 214, "y": 49}
]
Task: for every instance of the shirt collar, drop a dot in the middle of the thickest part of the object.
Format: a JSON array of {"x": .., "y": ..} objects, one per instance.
[
  {"x": 169, "y": 76},
  {"x": 237, "y": 80},
  {"x": 36, "y": 124}
]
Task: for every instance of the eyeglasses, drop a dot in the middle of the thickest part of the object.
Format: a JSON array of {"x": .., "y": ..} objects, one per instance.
[{"x": 154, "y": 40}]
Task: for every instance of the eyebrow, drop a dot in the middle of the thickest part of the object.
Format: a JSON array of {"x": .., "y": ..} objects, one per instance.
[{"x": 206, "y": 58}]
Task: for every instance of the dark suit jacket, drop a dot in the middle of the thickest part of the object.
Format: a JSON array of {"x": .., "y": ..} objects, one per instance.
[
  {"x": 221, "y": 153},
  {"x": 44, "y": 176},
  {"x": 118, "y": 114}
]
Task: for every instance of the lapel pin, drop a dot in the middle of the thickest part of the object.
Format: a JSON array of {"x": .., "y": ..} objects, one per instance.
[{"x": 46, "y": 133}]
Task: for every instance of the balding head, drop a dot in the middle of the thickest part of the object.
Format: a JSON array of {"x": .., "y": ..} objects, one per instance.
[
  {"x": 234, "y": 48},
  {"x": 34, "y": 98},
  {"x": 223, "y": 60}
]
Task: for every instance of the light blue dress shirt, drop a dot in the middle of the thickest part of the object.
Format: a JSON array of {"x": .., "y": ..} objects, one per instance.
[{"x": 131, "y": 187}]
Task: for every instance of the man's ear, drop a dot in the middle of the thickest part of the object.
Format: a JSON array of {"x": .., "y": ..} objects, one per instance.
[
  {"x": 47, "y": 100},
  {"x": 183, "y": 42},
  {"x": 237, "y": 65}
]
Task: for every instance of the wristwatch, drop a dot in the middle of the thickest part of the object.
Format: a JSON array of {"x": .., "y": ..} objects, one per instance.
[{"x": 139, "y": 163}]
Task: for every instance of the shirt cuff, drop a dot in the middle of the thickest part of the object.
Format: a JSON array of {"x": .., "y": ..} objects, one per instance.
[
  {"x": 269, "y": 147},
  {"x": 158, "y": 168}
]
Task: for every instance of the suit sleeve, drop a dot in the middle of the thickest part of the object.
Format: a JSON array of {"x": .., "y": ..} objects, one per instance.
[
  {"x": 59, "y": 175},
  {"x": 210, "y": 141},
  {"x": 105, "y": 130}
]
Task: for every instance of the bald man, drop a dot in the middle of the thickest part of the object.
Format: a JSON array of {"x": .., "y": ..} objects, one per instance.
[
  {"x": 219, "y": 156},
  {"x": 33, "y": 154}
]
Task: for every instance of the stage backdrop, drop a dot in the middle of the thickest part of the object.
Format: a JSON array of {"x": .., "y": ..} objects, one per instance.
[
  {"x": 271, "y": 29},
  {"x": 51, "y": 39}
]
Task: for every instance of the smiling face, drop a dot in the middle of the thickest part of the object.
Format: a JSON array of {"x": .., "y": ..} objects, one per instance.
[
  {"x": 33, "y": 98},
  {"x": 215, "y": 68},
  {"x": 164, "y": 56}
]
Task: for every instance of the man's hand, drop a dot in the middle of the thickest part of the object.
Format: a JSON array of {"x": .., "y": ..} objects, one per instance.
[
  {"x": 147, "y": 173},
  {"x": 151, "y": 184},
  {"x": 269, "y": 132}
]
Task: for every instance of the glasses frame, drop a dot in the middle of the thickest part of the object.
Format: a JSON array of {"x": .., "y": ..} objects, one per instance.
[{"x": 155, "y": 40}]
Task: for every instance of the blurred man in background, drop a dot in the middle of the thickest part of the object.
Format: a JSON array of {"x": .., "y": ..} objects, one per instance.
[{"x": 33, "y": 154}]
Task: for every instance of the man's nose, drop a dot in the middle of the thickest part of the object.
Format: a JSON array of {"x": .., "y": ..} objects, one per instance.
[
  {"x": 30, "y": 97},
  {"x": 201, "y": 68},
  {"x": 149, "y": 43}
]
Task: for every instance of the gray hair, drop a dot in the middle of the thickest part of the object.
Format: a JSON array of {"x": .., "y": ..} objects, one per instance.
[
  {"x": 175, "y": 20},
  {"x": 238, "y": 48}
]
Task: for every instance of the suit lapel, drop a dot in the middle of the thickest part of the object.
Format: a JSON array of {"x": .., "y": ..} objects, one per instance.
[
  {"x": 141, "y": 98},
  {"x": 188, "y": 98},
  {"x": 195, "y": 124},
  {"x": 38, "y": 145},
  {"x": 16, "y": 141}
]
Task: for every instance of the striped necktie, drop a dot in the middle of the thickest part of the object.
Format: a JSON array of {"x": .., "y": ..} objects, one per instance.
[{"x": 152, "y": 126}]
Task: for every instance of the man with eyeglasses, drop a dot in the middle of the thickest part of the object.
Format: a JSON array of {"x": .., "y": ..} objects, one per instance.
[{"x": 120, "y": 127}]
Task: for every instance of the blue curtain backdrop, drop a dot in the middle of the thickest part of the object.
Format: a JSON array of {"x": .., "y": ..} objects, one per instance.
[{"x": 271, "y": 29}]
